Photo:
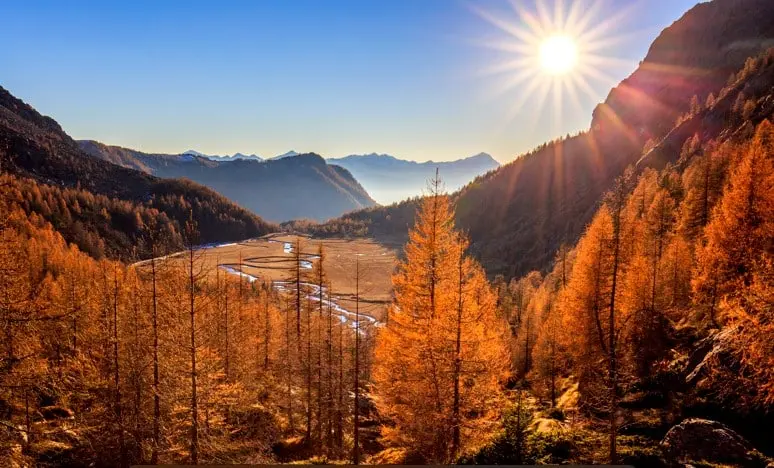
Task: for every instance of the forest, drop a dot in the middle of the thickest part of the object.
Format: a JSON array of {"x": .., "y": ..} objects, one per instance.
[
  {"x": 661, "y": 311},
  {"x": 607, "y": 298}
]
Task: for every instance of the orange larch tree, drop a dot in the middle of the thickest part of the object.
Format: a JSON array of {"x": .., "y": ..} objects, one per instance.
[{"x": 441, "y": 358}]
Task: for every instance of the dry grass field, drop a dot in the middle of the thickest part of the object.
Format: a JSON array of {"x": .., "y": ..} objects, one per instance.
[{"x": 270, "y": 258}]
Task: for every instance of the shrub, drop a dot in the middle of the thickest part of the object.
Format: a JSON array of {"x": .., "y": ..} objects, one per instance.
[{"x": 556, "y": 413}]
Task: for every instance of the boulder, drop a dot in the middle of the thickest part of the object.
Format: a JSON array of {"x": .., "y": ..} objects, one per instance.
[
  {"x": 57, "y": 453},
  {"x": 702, "y": 440},
  {"x": 52, "y": 451},
  {"x": 293, "y": 448},
  {"x": 714, "y": 350},
  {"x": 51, "y": 413},
  {"x": 568, "y": 401}
]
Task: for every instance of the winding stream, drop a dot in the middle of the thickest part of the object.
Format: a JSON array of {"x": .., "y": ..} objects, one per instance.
[{"x": 313, "y": 291}]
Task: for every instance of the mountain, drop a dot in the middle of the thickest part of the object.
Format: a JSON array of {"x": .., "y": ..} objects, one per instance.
[
  {"x": 289, "y": 154},
  {"x": 303, "y": 186},
  {"x": 102, "y": 207},
  {"x": 519, "y": 215},
  {"x": 234, "y": 157},
  {"x": 692, "y": 57},
  {"x": 389, "y": 179}
]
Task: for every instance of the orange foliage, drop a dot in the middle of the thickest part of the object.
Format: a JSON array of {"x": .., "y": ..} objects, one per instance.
[{"x": 418, "y": 369}]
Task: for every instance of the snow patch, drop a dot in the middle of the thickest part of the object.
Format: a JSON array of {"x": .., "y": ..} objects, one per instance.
[{"x": 234, "y": 271}]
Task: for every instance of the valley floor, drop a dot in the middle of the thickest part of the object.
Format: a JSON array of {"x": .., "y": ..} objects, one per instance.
[{"x": 271, "y": 259}]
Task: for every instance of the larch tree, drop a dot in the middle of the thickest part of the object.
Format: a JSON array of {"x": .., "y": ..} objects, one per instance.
[
  {"x": 703, "y": 180},
  {"x": 320, "y": 280},
  {"x": 116, "y": 303},
  {"x": 650, "y": 216},
  {"x": 153, "y": 235},
  {"x": 441, "y": 358},
  {"x": 194, "y": 274},
  {"x": 735, "y": 264},
  {"x": 594, "y": 310}
]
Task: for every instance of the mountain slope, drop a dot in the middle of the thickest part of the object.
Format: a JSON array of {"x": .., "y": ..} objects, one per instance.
[
  {"x": 692, "y": 57},
  {"x": 519, "y": 215},
  {"x": 302, "y": 186},
  {"x": 389, "y": 179},
  {"x": 115, "y": 202}
]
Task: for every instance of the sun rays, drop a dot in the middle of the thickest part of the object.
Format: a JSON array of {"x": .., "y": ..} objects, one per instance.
[{"x": 554, "y": 53}]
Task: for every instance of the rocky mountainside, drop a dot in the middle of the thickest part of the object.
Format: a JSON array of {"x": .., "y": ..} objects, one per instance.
[
  {"x": 49, "y": 172},
  {"x": 519, "y": 215},
  {"x": 692, "y": 57},
  {"x": 301, "y": 186},
  {"x": 389, "y": 179}
]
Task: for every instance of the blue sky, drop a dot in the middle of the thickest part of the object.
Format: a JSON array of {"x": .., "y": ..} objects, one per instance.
[{"x": 336, "y": 77}]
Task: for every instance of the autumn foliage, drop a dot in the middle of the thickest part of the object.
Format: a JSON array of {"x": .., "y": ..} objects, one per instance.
[
  {"x": 156, "y": 362},
  {"x": 681, "y": 252},
  {"x": 442, "y": 357}
]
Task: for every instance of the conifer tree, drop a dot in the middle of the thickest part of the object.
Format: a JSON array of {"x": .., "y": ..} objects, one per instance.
[
  {"x": 440, "y": 294},
  {"x": 736, "y": 263},
  {"x": 193, "y": 279}
]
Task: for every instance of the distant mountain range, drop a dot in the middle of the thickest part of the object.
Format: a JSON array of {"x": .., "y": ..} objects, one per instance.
[
  {"x": 234, "y": 157},
  {"x": 289, "y": 154},
  {"x": 389, "y": 179},
  {"x": 386, "y": 178},
  {"x": 290, "y": 186}
]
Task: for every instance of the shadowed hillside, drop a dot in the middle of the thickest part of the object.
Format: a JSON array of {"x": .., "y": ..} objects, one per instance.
[
  {"x": 49, "y": 172},
  {"x": 302, "y": 186}
]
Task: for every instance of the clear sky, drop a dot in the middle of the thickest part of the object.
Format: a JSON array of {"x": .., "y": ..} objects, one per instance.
[{"x": 412, "y": 78}]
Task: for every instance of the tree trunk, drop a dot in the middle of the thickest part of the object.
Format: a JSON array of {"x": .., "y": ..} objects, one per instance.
[
  {"x": 116, "y": 373},
  {"x": 612, "y": 345},
  {"x": 457, "y": 365},
  {"x": 156, "y": 395},
  {"x": 356, "y": 409},
  {"x": 194, "y": 451}
]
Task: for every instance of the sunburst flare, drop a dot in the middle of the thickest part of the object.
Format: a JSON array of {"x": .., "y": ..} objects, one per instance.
[{"x": 554, "y": 53}]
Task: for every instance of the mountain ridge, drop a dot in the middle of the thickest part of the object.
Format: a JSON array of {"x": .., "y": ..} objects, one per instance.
[
  {"x": 216, "y": 157},
  {"x": 390, "y": 179},
  {"x": 302, "y": 186}
]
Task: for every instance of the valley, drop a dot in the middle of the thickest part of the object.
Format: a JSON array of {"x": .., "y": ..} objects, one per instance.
[
  {"x": 271, "y": 259},
  {"x": 606, "y": 297}
]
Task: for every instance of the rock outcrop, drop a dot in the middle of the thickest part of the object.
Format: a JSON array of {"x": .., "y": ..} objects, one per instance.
[{"x": 702, "y": 440}]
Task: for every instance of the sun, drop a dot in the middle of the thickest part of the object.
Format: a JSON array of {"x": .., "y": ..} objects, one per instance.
[
  {"x": 558, "y": 54},
  {"x": 555, "y": 53}
]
